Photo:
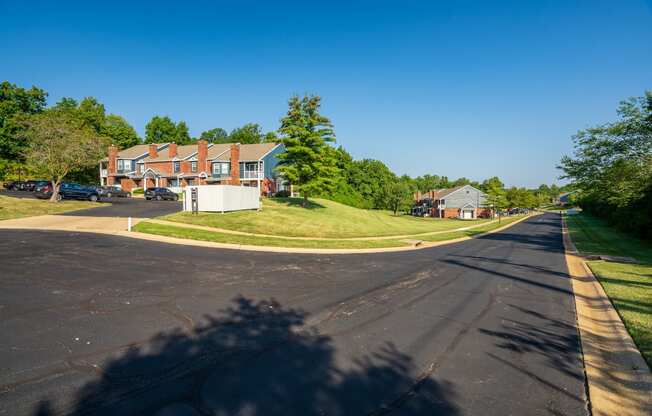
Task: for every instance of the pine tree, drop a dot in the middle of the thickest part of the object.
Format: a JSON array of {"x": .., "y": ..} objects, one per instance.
[{"x": 307, "y": 162}]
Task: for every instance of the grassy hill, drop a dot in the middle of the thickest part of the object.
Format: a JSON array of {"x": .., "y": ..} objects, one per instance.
[{"x": 323, "y": 218}]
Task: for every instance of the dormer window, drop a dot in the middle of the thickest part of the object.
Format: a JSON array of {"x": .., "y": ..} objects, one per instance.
[
  {"x": 177, "y": 167},
  {"x": 193, "y": 166}
]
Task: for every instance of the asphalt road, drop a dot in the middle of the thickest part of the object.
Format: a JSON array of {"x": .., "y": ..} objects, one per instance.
[{"x": 106, "y": 325}]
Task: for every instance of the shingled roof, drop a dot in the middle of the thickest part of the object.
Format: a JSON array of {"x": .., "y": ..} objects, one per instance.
[{"x": 183, "y": 152}]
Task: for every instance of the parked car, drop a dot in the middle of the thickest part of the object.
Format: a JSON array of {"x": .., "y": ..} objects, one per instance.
[
  {"x": 33, "y": 184},
  {"x": 8, "y": 185},
  {"x": 111, "y": 191},
  {"x": 69, "y": 191},
  {"x": 160, "y": 194},
  {"x": 18, "y": 186}
]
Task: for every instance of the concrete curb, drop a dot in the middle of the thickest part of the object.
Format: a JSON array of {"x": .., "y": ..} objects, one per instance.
[
  {"x": 34, "y": 225},
  {"x": 618, "y": 378}
]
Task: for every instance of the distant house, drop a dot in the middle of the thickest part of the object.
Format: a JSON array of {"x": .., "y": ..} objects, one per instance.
[
  {"x": 169, "y": 165},
  {"x": 565, "y": 198},
  {"x": 464, "y": 202}
]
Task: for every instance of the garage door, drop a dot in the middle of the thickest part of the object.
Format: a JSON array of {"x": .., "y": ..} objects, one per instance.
[{"x": 467, "y": 215}]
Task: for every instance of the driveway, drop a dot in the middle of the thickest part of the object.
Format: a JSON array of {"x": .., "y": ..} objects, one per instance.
[{"x": 99, "y": 324}]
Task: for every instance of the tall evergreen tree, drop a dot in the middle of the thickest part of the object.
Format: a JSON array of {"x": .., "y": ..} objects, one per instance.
[{"x": 306, "y": 162}]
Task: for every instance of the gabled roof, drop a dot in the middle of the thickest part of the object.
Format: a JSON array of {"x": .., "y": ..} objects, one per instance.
[
  {"x": 217, "y": 149},
  {"x": 442, "y": 193},
  {"x": 137, "y": 151},
  {"x": 248, "y": 152},
  {"x": 183, "y": 152}
]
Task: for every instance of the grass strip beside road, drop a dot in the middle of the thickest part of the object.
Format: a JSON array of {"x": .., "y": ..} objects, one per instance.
[
  {"x": 11, "y": 208},
  {"x": 629, "y": 286},
  {"x": 322, "y": 219},
  {"x": 216, "y": 237}
]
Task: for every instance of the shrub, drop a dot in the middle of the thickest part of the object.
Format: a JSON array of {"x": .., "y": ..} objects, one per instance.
[
  {"x": 282, "y": 194},
  {"x": 137, "y": 191}
]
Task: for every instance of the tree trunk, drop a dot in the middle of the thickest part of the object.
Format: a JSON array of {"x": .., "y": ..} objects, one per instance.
[
  {"x": 304, "y": 202},
  {"x": 55, "y": 191}
]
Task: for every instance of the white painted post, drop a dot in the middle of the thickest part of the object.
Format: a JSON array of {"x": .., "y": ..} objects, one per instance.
[{"x": 129, "y": 224}]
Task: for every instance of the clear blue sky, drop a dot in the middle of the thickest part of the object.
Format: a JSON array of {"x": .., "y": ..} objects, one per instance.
[{"x": 456, "y": 88}]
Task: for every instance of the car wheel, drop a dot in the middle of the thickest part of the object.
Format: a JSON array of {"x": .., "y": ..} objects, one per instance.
[
  {"x": 109, "y": 195},
  {"x": 59, "y": 197},
  {"x": 93, "y": 198},
  {"x": 175, "y": 198},
  {"x": 158, "y": 197}
]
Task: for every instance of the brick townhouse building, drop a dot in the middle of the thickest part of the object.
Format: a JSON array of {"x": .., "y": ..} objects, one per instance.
[{"x": 169, "y": 165}]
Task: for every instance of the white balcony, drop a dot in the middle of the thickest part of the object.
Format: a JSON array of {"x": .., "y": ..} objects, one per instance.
[{"x": 252, "y": 174}]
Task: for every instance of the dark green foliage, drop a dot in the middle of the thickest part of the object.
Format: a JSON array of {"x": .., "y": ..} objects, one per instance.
[
  {"x": 216, "y": 135},
  {"x": 612, "y": 167},
  {"x": 164, "y": 130},
  {"x": 250, "y": 133},
  {"x": 16, "y": 104},
  {"x": 308, "y": 162}
]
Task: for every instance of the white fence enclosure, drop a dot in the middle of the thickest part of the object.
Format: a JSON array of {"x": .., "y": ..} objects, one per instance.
[{"x": 222, "y": 198}]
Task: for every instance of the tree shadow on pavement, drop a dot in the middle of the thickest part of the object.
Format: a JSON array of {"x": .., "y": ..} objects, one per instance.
[{"x": 255, "y": 358}]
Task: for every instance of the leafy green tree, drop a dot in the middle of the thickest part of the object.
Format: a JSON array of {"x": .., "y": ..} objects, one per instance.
[
  {"x": 611, "y": 166},
  {"x": 182, "y": 135},
  {"x": 397, "y": 195},
  {"x": 60, "y": 143},
  {"x": 119, "y": 131},
  {"x": 160, "y": 130},
  {"x": 250, "y": 133},
  {"x": 495, "y": 195},
  {"x": 216, "y": 135},
  {"x": 306, "y": 163},
  {"x": 270, "y": 137},
  {"x": 16, "y": 103},
  {"x": 369, "y": 178}
]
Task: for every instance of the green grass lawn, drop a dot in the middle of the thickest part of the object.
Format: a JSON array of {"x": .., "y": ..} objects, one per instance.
[
  {"x": 323, "y": 218},
  {"x": 26, "y": 207},
  {"x": 629, "y": 286},
  {"x": 203, "y": 235}
]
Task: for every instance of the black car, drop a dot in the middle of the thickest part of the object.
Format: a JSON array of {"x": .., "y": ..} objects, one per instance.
[
  {"x": 69, "y": 191},
  {"x": 18, "y": 186},
  {"x": 111, "y": 191},
  {"x": 33, "y": 184},
  {"x": 9, "y": 185},
  {"x": 160, "y": 194}
]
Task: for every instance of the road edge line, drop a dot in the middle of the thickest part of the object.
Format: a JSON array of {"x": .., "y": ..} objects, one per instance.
[{"x": 618, "y": 378}]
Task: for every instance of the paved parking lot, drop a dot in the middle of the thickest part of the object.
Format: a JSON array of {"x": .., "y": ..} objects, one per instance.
[{"x": 116, "y": 207}]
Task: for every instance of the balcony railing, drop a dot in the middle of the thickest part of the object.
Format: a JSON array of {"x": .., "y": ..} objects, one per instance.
[{"x": 251, "y": 174}]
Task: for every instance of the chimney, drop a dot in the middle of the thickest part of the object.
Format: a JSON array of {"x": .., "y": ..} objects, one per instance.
[
  {"x": 153, "y": 150},
  {"x": 202, "y": 155},
  {"x": 235, "y": 164},
  {"x": 172, "y": 149},
  {"x": 113, "y": 159}
]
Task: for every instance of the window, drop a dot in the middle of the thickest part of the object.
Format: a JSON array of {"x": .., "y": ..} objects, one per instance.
[
  {"x": 177, "y": 167},
  {"x": 190, "y": 182},
  {"x": 221, "y": 168},
  {"x": 443, "y": 202},
  {"x": 193, "y": 166},
  {"x": 141, "y": 167}
]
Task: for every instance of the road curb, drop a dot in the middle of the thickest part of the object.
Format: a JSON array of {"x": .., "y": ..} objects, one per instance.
[{"x": 618, "y": 378}]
